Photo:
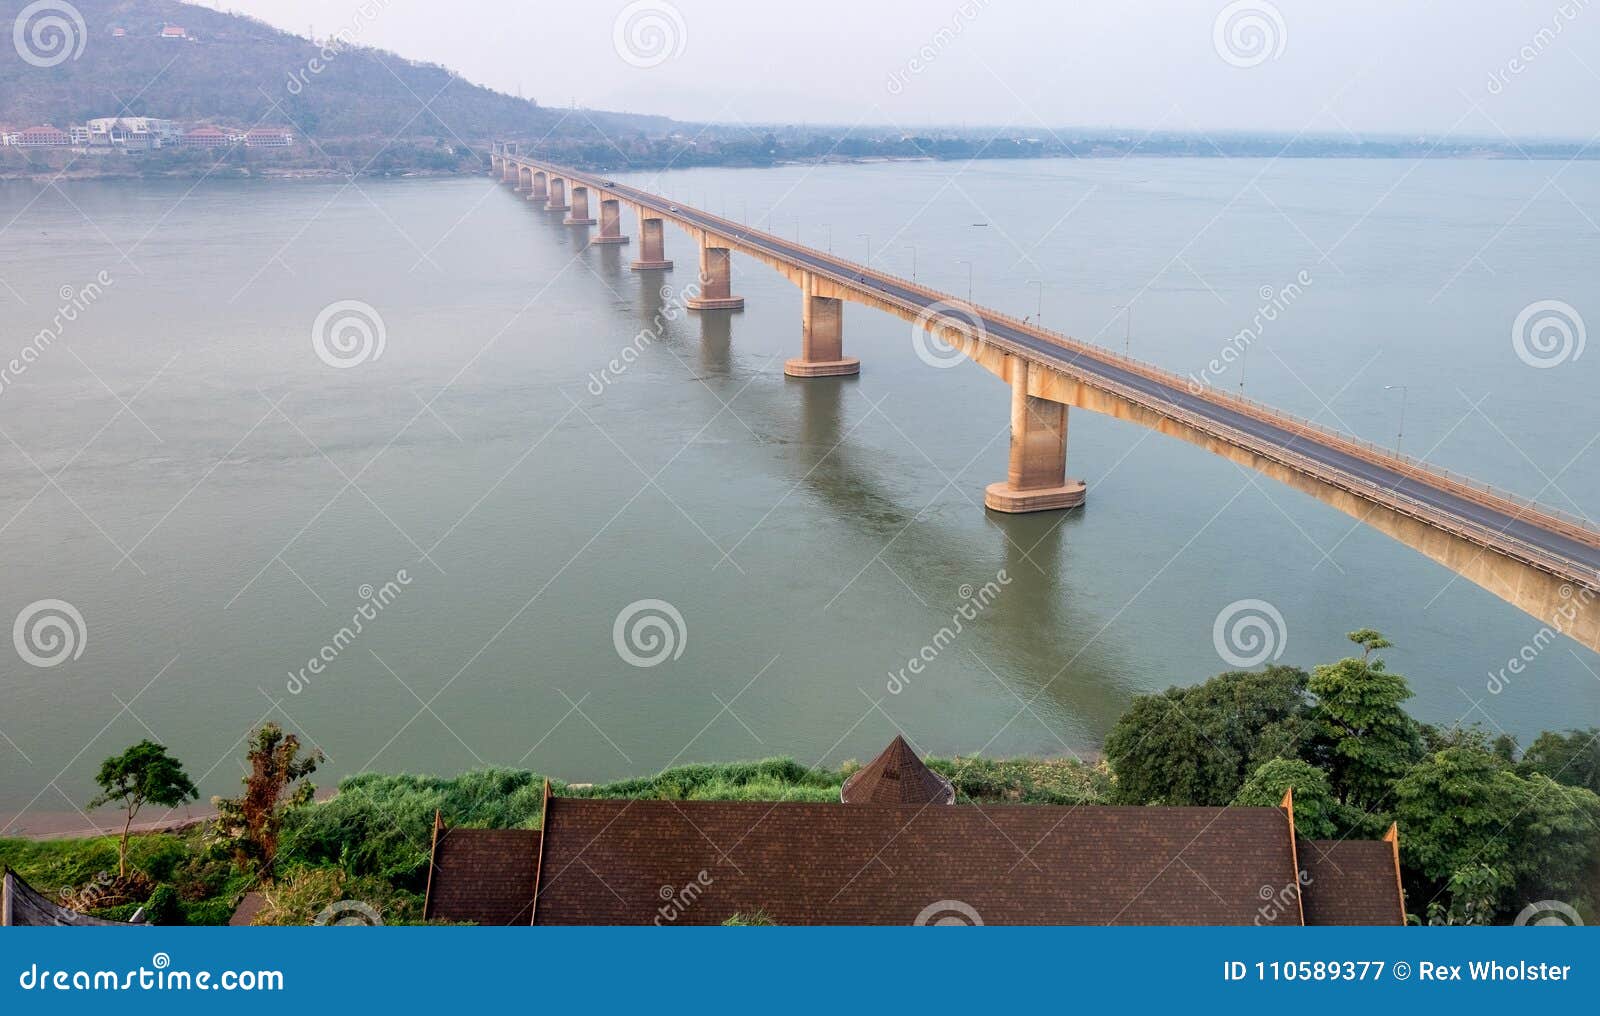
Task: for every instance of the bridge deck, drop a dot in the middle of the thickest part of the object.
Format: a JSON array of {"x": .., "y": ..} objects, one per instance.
[{"x": 1537, "y": 535}]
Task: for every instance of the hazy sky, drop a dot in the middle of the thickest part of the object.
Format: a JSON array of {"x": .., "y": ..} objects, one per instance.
[{"x": 1475, "y": 67}]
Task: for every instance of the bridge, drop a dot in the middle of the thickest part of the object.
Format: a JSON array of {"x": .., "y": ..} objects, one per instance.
[{"x": 1540, "y": 560}]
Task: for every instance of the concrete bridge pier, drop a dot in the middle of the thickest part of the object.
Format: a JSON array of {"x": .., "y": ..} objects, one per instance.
[
  {"x": 540, "y": 191},
  {"x": 652, "y": 246},
  {"x": 524, "y": 180},
  {"x": 508, "y": 172},
  {"x": 821, "y": 337},
  {"x": 716, "y": 286},
  {"x": 579, "y": 215},
  {"x": 558, "y": 196},
  {"x": 1036, "y": 479},
  {"x": 610, "y": 222}
]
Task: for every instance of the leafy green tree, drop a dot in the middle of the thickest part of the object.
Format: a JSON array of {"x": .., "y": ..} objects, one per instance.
[
  {"x": 1314, "y": 806},
  {"x": 249, "y": 824},
  {"x": 1364, "y": 734},
  {"x": 1188, "y": 746},
  {"x": 1572, "y": 757},
  {"x": 1464, "y": 807},
  {"x": 144, "y": 774},
  {"x": 1474, "y": 892}
]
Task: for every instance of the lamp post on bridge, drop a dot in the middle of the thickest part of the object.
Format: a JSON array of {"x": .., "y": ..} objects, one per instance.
[
  {"x": 829, "y": 227},
  {"x": 969, "y": 280},
  {"x": 868, "y": 237},
  {"x": 1401, "y": 433},
  {"x": 1038, "y": 313},
  {"x": 913, "y": 261}
]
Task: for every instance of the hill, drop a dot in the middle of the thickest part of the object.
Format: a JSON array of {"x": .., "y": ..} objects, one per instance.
[{"x": 234, "y": 70}]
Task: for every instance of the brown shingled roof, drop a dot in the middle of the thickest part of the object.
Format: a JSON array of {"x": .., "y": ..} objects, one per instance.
[
  {"x": 483, "y": 875},
  {"x": 897, "y": 776},
  {"x": 1350, "y": 882},
  {"x": 612, "y": 862}
]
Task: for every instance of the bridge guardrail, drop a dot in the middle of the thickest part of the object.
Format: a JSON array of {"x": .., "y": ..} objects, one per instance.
[{"x": 1438, "y": 477}]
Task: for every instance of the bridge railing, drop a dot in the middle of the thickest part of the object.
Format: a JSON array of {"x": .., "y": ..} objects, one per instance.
[{"x": 1555, "y": 519}]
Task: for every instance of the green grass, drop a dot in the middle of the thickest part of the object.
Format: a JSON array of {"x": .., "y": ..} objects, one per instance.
[{"x": 380, "y": 826}]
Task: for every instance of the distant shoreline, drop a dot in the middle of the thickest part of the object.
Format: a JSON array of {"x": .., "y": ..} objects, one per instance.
[{"x": 331, "y": 173}]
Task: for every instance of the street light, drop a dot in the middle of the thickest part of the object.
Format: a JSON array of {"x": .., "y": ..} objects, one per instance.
[
  {"x": 1038, "y": 313},
  {"x": 1127, "y": 338},
  {"x": 1401, "y": 433},
  {"x": 913, "y": 261},
  {"x": 869, "y": 246},
  {"x": 969, "y": 279},
  {"x": 829, "y": 227}
]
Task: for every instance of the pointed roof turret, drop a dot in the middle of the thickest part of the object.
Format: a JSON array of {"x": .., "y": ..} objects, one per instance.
[{"x": 897, "y": 776}]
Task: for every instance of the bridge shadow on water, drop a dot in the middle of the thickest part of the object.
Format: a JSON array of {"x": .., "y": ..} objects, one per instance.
[{"x": 1031, "y": 639}]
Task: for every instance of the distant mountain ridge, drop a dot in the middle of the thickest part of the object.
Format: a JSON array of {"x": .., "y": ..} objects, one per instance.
[{"x": 228, "y": 68}]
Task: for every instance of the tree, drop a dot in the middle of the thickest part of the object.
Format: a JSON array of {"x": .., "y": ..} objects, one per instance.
[
  {"x": 1363, "y": 733},
  {"x": 1474, "y": 891},
  {"x": 1314, "y": 806},
  {"x": 1572, "y": 758},
  {"x": 249, "y": 824},
  {"x": 1465, "y": 807},
  {"x": 143, "y": 774},
  {"x": 1188, "y": 746}
]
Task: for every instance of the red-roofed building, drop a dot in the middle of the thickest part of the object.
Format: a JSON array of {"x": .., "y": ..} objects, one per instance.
[
  {"x": 628, "y": 862},
  {"x": 204, "y": 137},
  {"x": 173, "y": 32},
  {"x": 44, "y": 136}
]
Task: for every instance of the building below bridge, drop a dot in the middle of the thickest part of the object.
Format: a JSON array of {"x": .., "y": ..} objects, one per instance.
[{"x": 916, "y": 861}]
